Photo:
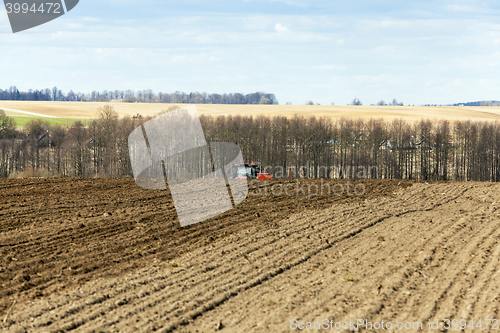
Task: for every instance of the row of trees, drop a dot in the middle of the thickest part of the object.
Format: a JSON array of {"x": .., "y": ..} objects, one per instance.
[
  {"x": 479, "y": 103},
  {"x": 99, "y": 149},
  {"x": 365, "y": 149},
  {"x": 357, "y": 101},
  {"x": 141, "y": 96},
  {"x": 14, "y": 94},
  {"x": 393, "y": 103},
  {"x": 310, "y": 147}
]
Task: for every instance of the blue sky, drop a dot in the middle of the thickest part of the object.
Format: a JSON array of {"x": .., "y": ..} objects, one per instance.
[{"x": 419, "y": 52}]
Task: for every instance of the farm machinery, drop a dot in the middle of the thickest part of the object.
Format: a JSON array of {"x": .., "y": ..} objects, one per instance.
[{"x": 250, "y": 171}]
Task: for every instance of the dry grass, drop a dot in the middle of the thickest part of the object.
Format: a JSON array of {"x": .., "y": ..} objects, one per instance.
[
  {"x": 31, "y": 173},
  {"x": 409, "y": 113}
]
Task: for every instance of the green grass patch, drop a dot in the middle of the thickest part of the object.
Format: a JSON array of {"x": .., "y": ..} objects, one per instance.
[
  {"x": 349, "y": 277},
  {"x": 21, "y": 121}
]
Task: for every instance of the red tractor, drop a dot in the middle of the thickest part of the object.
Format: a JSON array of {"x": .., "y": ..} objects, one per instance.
[{"x": 250, "y": 171}]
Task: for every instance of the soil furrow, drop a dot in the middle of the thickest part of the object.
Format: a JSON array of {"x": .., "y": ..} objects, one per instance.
[{"x": 396, "y": 254}]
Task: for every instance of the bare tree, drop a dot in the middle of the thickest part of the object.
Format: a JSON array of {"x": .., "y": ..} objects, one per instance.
[
  {"x": 107, "y": 112},
  {"x": 7, "y": 125},
  {"x": 356, "y": 101}
]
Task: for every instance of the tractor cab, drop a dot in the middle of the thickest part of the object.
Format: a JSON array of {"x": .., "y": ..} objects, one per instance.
[{"x": 250, "y": 171}]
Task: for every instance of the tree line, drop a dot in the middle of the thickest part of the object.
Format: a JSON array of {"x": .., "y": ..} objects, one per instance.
[
  {"x": 140, "y": 96},
  {"x": 308, "y": 147},
  {"x": 479, "y": 103}
]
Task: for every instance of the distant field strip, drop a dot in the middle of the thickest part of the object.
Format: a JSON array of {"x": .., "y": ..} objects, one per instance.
[
  {"x": 333, "y": 112},
  {"x": 28, "y": 113},
  {"x": 23, "y": 117}
]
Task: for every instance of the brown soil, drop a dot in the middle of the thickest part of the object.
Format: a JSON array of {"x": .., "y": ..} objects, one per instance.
[{"x": 105, "y": 255}]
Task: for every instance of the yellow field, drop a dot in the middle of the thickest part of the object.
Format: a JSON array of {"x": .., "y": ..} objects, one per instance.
[{"x": 408, "y": 113}]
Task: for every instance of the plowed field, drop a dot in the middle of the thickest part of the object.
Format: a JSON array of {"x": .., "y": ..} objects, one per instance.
[{"x": 98, "y": 255}]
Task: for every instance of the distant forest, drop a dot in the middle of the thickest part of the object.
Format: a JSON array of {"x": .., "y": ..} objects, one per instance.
[
  {"x": 479, "y": 103},
  {"x": 132, "y": 96},
  {"x": 329, "y": 149}
]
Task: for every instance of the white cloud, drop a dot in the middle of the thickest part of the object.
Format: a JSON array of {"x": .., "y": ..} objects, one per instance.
[
  {"x": 303, "y": 56},
  {"x": 279, "y": 28},
  {"x": 468, "y": 9},
  {"x": 394, "y": 24},
  {"x": 329, "y": 68}
]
